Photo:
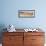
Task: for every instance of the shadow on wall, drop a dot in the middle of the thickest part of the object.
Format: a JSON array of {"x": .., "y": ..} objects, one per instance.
[{"x": 2, "y": 26}]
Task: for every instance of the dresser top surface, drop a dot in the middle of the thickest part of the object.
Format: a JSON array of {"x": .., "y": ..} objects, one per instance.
[{"x": 22, "y": 30}]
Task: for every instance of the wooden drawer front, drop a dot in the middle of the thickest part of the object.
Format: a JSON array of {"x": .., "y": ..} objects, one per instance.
[
  {"x": 20, "y": 44},
  {"x": 37, "y": 39},
  {"x": 27, "y": 41},
  {"x": 17, "y": 40},
  {"x": 5, "y": 39},
  {"x": 37, "y": 45},
  {"x": 34, "y": 33},
  {"x": 33, "y": 40},
  {"x": 13, "y": 33}
]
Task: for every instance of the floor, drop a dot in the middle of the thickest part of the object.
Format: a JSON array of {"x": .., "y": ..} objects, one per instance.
[{"x": 0, "y": 44}]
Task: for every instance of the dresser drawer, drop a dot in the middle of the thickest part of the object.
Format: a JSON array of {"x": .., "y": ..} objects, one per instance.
[
  {"x": 12, "y": 39},
  {"x": 37, "y": 44},
  {"x": 34, "y": 33},
  {"x": 13, "y": 33},
  {"x": 13, "y": 44},
  {"x": 37, "y": 39}
]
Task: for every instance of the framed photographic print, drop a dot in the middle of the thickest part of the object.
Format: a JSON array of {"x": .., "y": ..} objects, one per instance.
[{"x": 26, "y": 13}]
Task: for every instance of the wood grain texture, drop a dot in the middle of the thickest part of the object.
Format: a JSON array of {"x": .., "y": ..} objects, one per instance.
[
  {"x": 13, "y": 39},
  {"x": 34, "y": 39},
  {"x": 23, "y": 39}
]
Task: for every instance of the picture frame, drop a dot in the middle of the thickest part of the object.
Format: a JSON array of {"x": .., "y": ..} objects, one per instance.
[{"x": 26, "y": 13}]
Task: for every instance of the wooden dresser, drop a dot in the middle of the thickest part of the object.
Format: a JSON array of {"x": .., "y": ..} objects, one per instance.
[{"x": 23, "y": 39}]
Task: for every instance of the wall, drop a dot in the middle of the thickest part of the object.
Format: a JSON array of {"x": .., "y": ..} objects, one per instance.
[{"x": 9, "y": 13}]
